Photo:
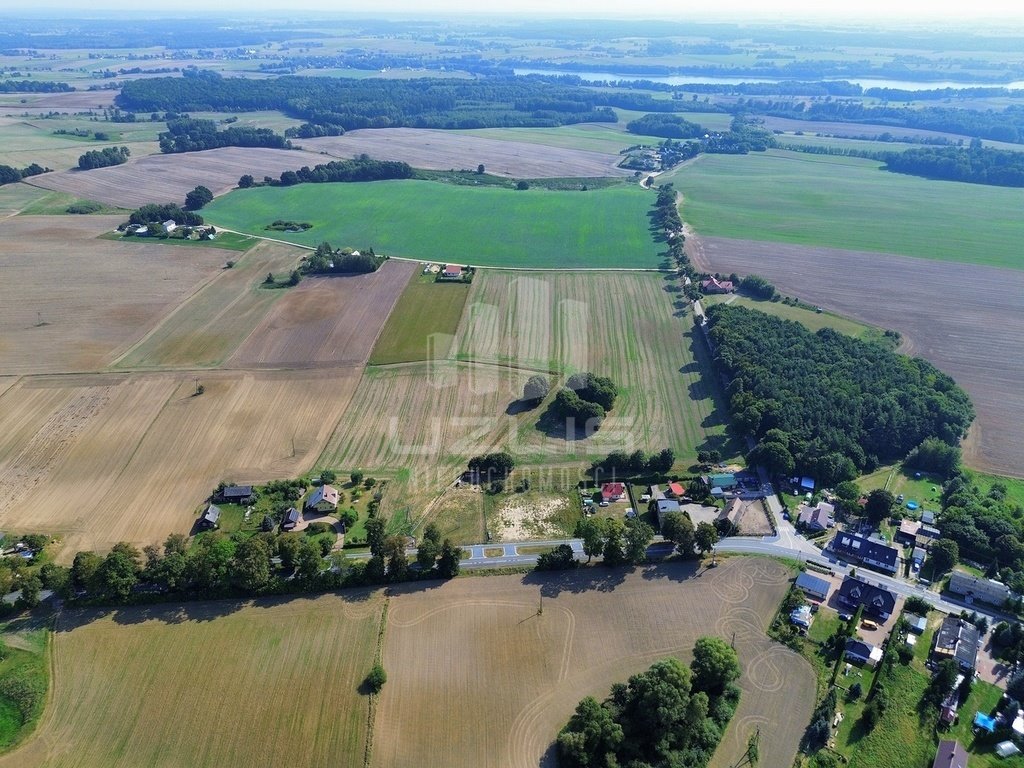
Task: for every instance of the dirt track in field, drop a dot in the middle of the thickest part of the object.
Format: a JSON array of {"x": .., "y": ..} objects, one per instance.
[
  {"x": 967, "y": 320},
  {"x": 445, "y": 150},
  {"x": 326, "y": 320},
  {"x": 507, "y": 679},
  {"x": 167, "y": 178}
]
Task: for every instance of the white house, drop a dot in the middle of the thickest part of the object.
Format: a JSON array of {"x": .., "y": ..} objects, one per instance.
[{"x": 170, "y": 225}]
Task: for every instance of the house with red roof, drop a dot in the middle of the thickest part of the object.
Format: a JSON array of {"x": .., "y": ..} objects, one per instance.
[
  {"x": 612, "y": 491},
  {"x": 714, "y": 285},
  {"x": 451, "y": 272}
]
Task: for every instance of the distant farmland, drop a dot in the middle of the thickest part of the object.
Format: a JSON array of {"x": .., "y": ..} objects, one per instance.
[
  {"x": 481, "y": 226},
  {"x": 849, "y": 203}
]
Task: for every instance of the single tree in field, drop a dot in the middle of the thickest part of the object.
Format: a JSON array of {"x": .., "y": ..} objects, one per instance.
[
  {"x": 480, "y": 168},
  {"x": 536, "y": 389}
]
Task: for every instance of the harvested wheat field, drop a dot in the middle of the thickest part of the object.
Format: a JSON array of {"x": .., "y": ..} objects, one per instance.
[
  {"x": 70, "y": 302},
  {"x": 628, "y": 326},
  {"x": 967, "y": 320},
  {"x": 167, "y": 178},
  {"x": 104, "y": 458},
  {"x": 326, "y": 321},
  {"x": 206, "y": 328},
  {"x": 444, "y": 150},
  {"x": 209, "y": 684},
  {"x": 507, "y": 679}
]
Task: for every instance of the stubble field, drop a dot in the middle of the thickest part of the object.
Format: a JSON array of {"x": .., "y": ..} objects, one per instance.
[
  {"x": 167, "y": 178},
  {"x": 968, "y": 321},
  {"x": 110, "y": 457},
  {"x": 507, "y": 679},
  {"x": 326, "y": 321},
  {"x": 444, "y": 150},
  {"x": 209, "y": 684},
  {"x": 70, "y": 302}
]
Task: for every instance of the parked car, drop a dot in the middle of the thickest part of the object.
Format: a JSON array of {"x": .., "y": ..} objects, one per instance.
[{"x": 869, "y": 625}]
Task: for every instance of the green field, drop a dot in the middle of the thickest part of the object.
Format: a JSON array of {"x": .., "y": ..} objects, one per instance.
[
  {"x": 487, "y": 226},
  {"x": 427, "y": 312},
  {"x": 844, "y": 202},
  {"x": 804, "y": 314}
]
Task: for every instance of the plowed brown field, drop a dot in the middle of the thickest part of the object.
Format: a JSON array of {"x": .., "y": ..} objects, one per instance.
[
  {"x": 967, "y": 320},
  {"x": 70, "y": 302},
  {"x": 444, "y": 150},
  {"x": 326, "y": 321},
  {"x": 104, "y": 458},
  {"x": 167, "y": 178},
  {"x": 477, "y": 678}
]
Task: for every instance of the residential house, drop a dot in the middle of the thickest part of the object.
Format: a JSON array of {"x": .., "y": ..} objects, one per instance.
[
  {"x": 813, "y": 586},
  {"x": 714, "y": 285},
  {"x": 612, "y": 491},
  {"x": 874, "y": 554},
  {"x": 210, "y": 518},
  {"x": 877, "y": 602},
  {"x": 950, "y": 755},
  {"x": 801, "y": 616},
  {"x": 907, "y": 533},
  {"x": 978, "y": 588},
  {"x": 662, "y": 507},
  {"x": 323, "y": 499},
  {"x": 235, "y": 494},
  {"x": 958, "y": 640},
  {"x": 817, "y": 518},
  {"x": 170, "y": 225},
  {"x": 292, "y": 517},
  {"x": 451, "y": 272},
  {"x": 866, "y": 653}
]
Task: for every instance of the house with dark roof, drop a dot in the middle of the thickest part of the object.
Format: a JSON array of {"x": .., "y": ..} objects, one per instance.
[
  {"x": 813, "y": 586},
  {"x": 235, "y": 494},
  {"x": 950, "y": 755},
  {"x": 978, "y": 588},
  {"x": 210, "y": 518},
  {"x": 928, "y": 518},
  {"x": 958, "y": 640},
  {"x": 866, "y": 653},
  {"x": 291, "y": 519},
  {"x": 877, "y": 602},
  {"x": 874, "y": 554}
]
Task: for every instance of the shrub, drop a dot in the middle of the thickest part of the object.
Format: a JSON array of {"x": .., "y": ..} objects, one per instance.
[{"x": 375, "y": 679}]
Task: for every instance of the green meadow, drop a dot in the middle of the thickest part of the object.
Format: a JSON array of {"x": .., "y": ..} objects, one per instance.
[
  {"x": 844, "y": 202},
  {"x": 481, "y": 226}
]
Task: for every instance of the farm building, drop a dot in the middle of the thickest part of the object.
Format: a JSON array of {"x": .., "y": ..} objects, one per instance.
[
  {"x": 959, "y": 640},
  {"x": 612, "y": 491},
  {"x": 323, "y": 499},
  {"x": 291, "y": 519},
  {"x": 718, "y": 484},
  {"x": 210, "y": 518},
  {"x": 866, "y": 653},
  {"x": 918, "y": 624},
  {"x": 978, "y": 588},
  {"x": 950, "y": 755},
  {"x": 817, "y": 518},
  {"x": 813, "y": 586},
  {"x": 451, "y": 272},
  {"x": 875, "y": 554},
  {"x": 714, "y": 285},
  {"x": 877, "y": 602},
  {"x": 235, "y": 494},
  {"x": 170, "y": 225},
  {"x": 928, "y": 518}
]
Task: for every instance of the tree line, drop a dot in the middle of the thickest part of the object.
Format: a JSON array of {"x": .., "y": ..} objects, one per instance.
[
  {"x": 667, "y": 126},
  {"x": 826, "y": 404},
  {"x": 187, "y": 134},
  {"x": 974, "y": 164},
  {"x": 10, "y": 175},
  {"x": 670, "y": 716},
  {"x": 351, "y": 103},
  {"x": 34, "y": 86},
  {"x": 102, "y": 158}
]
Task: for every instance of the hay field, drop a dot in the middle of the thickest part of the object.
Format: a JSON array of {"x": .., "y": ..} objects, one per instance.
[
  {"x": 167, "y": 178},
  {"x": 209, "y": 684},
  {"x": 506, "y": 679},
  {"x": 206, "y": 328},
  {"x": 70, "y": 302},
  {"x": 444, "y": 150},
  {"x": 324, "y": 321},
  {"x": 627, "y": 326},
  {"x": 103, "y": 458},
  {"x": 845, "y": 202},
  {"x": 423, "y": 324},
  {"x": 481, "y": 226},
  {"x": 974, "y": 332}
]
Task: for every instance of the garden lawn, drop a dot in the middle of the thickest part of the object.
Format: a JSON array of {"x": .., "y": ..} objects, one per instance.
[
  {"x": 850, "y": 203},
  {"x": 481, "y": 226}
]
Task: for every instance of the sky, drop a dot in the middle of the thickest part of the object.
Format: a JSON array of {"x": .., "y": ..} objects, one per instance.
[{"x": 938, "y": 10}]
